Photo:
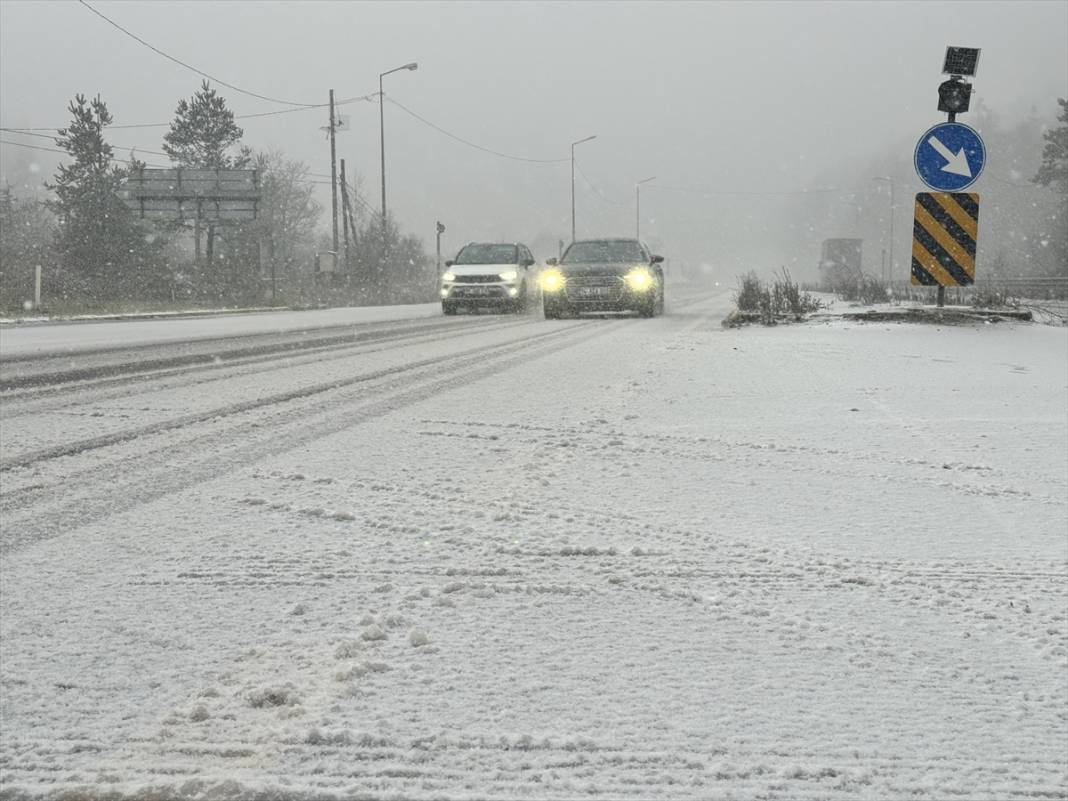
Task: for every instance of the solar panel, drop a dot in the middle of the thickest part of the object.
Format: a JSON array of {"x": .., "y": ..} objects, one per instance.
[{"x": 961, "y": 60}]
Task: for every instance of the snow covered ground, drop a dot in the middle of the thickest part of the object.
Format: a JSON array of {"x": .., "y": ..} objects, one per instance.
[
  {"x": 31, "y": 338},
  {"x": 528, "y": 559}
]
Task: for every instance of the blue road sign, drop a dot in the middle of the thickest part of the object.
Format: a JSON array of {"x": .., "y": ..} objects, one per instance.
[{"x": 949, "y": 157}]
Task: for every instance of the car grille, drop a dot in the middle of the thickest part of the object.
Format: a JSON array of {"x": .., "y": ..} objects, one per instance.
[
  {"x": 477, "y": 279},
  {"x": 594, "y": 288},
  {"x": 477, "y": 292}
]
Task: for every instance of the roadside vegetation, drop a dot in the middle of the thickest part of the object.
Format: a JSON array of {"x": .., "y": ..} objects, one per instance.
[
  {"x": 778, "y": 301},
  {"x": 859, "y": 287},
  {"x": 96, "y": 255}
]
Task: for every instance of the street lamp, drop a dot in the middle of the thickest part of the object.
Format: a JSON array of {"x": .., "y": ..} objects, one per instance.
[
  {"x": 890, "y": 181},
  {"x": 579, "y": 142},
  {"x": 638, "y": 206},
  {"x": 382, "y": 132}
]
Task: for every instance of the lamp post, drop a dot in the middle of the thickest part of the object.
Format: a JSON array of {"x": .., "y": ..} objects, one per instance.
[
  {"x": 638, "y": 205},
  {"x": 889, "y": 179},
  {"x": 382, "y": 133},
  {"x": 579, "y": 142}
]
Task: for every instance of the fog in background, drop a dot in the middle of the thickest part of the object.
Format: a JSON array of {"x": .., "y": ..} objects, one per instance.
[{"x": 737, "y": 109}]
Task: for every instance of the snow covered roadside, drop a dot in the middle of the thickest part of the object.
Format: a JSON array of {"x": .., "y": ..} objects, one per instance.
[
  {"x": 824, "y": 561},
  {"x": 88, "y": 335}
]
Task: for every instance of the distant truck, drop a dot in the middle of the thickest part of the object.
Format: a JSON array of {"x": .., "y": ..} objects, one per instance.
[{"x": 840, "y": 258}]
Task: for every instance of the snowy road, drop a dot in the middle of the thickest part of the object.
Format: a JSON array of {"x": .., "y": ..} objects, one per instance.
[{"x": 515, "y": 558}]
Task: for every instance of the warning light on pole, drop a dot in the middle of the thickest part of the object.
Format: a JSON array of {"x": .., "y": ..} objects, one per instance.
[{"x": 954, "y": 96}]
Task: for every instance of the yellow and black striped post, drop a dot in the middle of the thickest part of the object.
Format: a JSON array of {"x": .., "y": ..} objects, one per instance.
[{"x": 944, "y": 234}]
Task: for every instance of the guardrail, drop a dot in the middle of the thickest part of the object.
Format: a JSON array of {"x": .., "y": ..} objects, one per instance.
[{"x": 1038, "y": 289}]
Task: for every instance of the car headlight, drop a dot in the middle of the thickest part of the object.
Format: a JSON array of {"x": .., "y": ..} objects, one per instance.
[
  {"x": 509, "y": 275},
  {"x": 551, "y": 280},
  {"x": 639, "y": 279},
  {"x": 448, "y": 277}
]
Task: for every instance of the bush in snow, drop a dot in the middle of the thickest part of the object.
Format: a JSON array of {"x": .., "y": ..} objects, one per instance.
[
  {"x": 988, "y": 298},
  {"x": 274, "y": 696},
  {"x": 770, "y": 303},
  {"x": 861, "y": 288}
]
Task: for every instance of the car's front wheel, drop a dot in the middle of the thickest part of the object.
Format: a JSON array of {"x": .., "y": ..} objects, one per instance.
[
  {"x": 554, "y": 310},
  {"x": 519, "y": 305},
  {"x": 448, "y": 308},
  {"x": 655, "y": 304}
]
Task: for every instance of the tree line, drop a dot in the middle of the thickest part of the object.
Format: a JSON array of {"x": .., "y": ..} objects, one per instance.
[{"x": 95, "y": 251}]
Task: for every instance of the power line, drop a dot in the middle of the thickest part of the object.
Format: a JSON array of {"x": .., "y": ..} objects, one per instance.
[
  {"x": 114, "y": 146},
  {"x": 597, "y": 191},
  {"x": 154, "y": 49},
  {"x": 236, "y": 116},
  {"x": 708, "y": 191},
  {"x": 460, "y": 139},
  {"x": 64, "y": 152},
  {"x": 348, "y": 101}
]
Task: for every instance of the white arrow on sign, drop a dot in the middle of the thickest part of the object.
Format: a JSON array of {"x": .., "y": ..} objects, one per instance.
[{"x": 957, "y": 163}]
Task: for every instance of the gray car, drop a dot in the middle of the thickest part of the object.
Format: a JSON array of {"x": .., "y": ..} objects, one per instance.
[{"x": 604, "y": 275}]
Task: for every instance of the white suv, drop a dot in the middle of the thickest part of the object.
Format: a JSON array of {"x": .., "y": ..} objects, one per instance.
[{"x": 491, "y": 275}]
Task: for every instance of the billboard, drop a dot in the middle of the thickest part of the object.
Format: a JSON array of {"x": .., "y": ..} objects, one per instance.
[{"x": 183, "y": 194}]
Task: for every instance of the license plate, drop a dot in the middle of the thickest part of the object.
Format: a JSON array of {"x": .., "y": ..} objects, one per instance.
[
  {"x": 593, "y": 291},
  {"x": 476, "y": 291}
]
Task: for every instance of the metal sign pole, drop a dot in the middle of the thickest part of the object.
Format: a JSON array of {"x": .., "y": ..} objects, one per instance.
[{"x": 949, "y": 157}]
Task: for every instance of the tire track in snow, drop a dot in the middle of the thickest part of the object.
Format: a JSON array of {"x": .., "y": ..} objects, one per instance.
[
  {"x": 41, "y": 372},
  {"x": 73, "y": 448},
  {"x": 123, "y": 481},
  {"x": 215, "y": 367}
]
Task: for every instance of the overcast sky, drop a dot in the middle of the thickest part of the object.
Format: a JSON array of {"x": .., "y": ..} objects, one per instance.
[{"x": 736, "y": 97}]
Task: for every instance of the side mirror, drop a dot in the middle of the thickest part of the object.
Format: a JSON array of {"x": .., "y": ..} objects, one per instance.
[
  {"x": 528, "y": 262},
  {"x": 657, "y": 259},
  {"x": 449, "y": 262},
  {"x": 551, "y": 262}
]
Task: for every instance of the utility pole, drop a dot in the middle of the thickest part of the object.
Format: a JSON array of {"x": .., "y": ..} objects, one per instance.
[
  {"x": 344, "y": 212},
  {"x": 382, "y": 151},
  {"x": 333, "y": 171},
  {"x": 382, "y": 139},
  {"x": 889, "y": 180},
  {"x": 346, "y": 215}
]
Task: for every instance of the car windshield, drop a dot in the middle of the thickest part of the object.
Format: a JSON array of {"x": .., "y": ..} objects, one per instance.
[
  {"x": 613, "y": 251},
  {"x": 487, "y": 254}
]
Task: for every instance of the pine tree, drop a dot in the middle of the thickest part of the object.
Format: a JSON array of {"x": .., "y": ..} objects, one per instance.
[
  {"x": 200, "y": 137},
  {"x": 1054, "y": 169},
  {"x": 202, "y": 133},
  {"x": 99, "y": 242},
  {"x": 1053, "y": 172}
]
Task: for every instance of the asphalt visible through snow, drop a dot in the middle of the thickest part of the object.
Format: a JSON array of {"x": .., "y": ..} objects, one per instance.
[{"x": 505, "y": 557}]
